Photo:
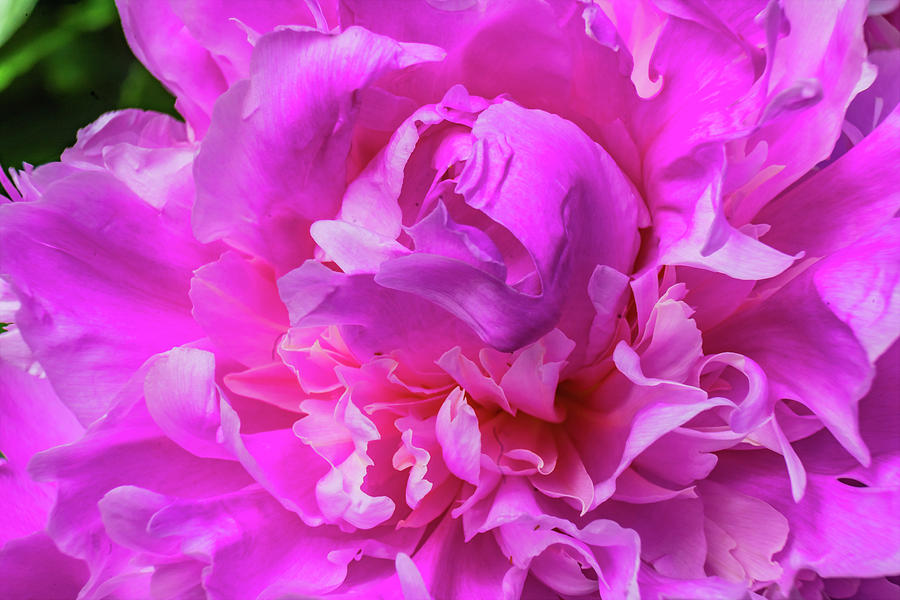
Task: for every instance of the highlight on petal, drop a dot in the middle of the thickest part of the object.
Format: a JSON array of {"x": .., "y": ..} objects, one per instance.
[
  {"x": 497, "y": 180},
  {"x": 457, "y": 432},
  {"x": 90, "y": 260},
  {"x": 274, "y": 161},
  {"x": 818, "y": 360},
  {"x": 182, "y": 398}
]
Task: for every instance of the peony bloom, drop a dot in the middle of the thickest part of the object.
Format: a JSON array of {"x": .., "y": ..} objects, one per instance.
[{"x": 465, "y": 299}]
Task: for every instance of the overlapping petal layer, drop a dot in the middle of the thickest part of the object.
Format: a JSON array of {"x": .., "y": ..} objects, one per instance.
[{"x": 463, "y": 299}]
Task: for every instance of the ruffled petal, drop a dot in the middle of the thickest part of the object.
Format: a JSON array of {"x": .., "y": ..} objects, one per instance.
[
  {"x": 90, "y": 260},
  {"x": 182, "y": 398},
  {"x": 124, "y": 448},
  {"x": 849, "y": 199},
  {"x": 566, "y": 236},
  {"x": 807, "y": 353},
  {"x": 237, "y": 304},
  {"x": 273, "y": 161},
  {"x": 457, "y": 432},
  {"x": 837, "y": 530}
]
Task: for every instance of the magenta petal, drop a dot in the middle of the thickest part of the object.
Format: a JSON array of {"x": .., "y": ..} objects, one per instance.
[
  {"x": 438, "y": 234},
  {"x": 509, "y": 161},
  {"x": 354, "y": 249},
  {"x": 33, "y": 567},
  {"x": 848, "y": 199},
  {"x": 607, "y": 292},
  {"x": 259, "y": 550},
  {"x": 181, "y": 580},
  {"x": 271, "y": 459},
  {"x": 236, "y": 302},
  {"x": 500, "y": 315},
  {"x": 562, "y": 557},
  {"x": 861, "y": 285},
  {"x": 659, "y": 587},
  {"x": 411, "y": 581},
  {"x": 671, "y": 533},
  {"x": 871, "y": 106},
  {"x": 183, "y": 399},
  {"x": 824, "y": 51},
  {"x": 274, "y": 158},
  {"x": 159, "y": 40},
  {"x": 373, "y": 320},
  {"x": 89, "y": 261},
  {"x": 126, "y": 512},
  {"x": 457, "y": 432},
  {"x": 878, "y": 414},
  {"x": 32, "y": 419},
  {"x": 807, "y": 353},
  {"x": 124, "y": 448},
  {"x": 479, "y": 566},
  {"x": 653, "y": 408},
  {"x": 148, "y": 152},
  {"x": 228, "y": 28},
  {"x": 696, "y": 233},
  {"x": 836, "y": 530},
  {"x": 743, "y": 533},
  {"x": 439, "y": 22}
]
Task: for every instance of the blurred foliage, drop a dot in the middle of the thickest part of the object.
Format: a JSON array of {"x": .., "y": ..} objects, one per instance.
[
  {"x": 66, "y": 65},
  {"x": 12, "y": 14}
]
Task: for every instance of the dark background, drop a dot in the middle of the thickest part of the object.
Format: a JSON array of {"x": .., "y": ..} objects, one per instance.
[{"x": 66, "y": 65}]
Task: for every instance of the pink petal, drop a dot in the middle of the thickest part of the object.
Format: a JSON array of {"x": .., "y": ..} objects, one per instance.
[
  {"x": 236, "y": 303},
  {"x": 89, "y": 261},
  {"x": 183, "y": 399},
  {"x": 748, "y": 532},
  {"x": 807, "y": 353},
  {"x": 861, "y": 285},
  {"x": 159, "y": 40},
  {"x": 836, "y": 529},
  {"x": 459, "y": 437},
  {"x": 497, "y": 180},
  {"x": 32, "y": 419},
  {"x": 33, "y": 567},
  {"x": 848, "y": 199},
  {"x": 273, "y": 383},
  {"x": 530, "y": 383},
  {"x": 247, "y": 176}
]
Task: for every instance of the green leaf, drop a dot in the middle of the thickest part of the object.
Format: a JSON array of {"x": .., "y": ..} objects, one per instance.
[
  {"x": 87, "y": 15},
  {"x": 12, "y": 14}
]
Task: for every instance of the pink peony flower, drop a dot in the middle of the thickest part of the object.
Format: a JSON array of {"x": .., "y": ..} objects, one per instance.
[{"x": 465, "y": 299}]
